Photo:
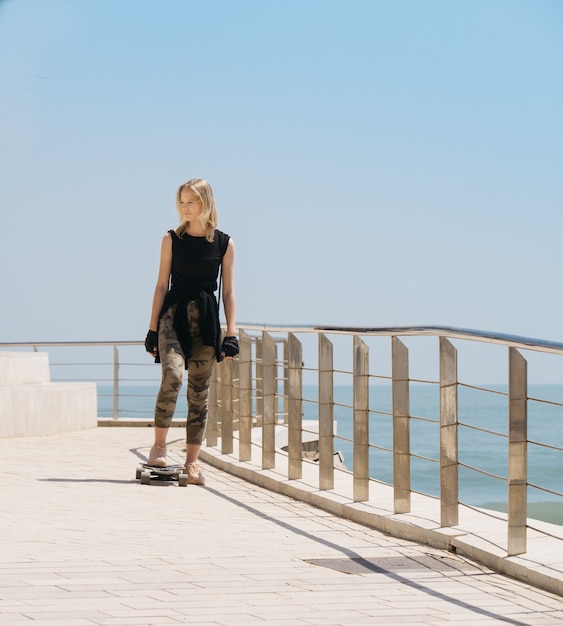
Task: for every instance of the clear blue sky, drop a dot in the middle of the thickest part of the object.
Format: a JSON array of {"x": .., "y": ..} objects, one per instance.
[{"x": 377, "y": 162}]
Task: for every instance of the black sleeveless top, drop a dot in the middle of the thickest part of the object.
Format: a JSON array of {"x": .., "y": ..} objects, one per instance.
[
  {"x": 196, "y": 262},
  {"x": 195, "y": 268}
]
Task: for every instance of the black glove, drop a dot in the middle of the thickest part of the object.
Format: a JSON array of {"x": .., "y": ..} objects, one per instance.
[
  {"x": 230, "y": 346},
  {"x": 151, "y": 342}
]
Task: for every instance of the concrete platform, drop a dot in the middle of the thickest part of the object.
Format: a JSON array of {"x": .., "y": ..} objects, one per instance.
[
  {"x": 31, "y": 405},
  {"x": 83, "y": 543}
]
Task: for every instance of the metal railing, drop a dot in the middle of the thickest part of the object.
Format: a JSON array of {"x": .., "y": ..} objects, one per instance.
[{"x": 436, "y": 433}]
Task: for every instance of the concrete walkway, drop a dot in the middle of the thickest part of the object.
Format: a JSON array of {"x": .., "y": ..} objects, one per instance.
[{"x": 83, "y": 543}]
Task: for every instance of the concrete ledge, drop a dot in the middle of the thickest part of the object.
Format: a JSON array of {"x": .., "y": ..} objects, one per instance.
[
  {"x": 529, "y": 568},
  {"x": 479, "y": 536},
  {"x": 24, "y": 368},
  {"x": 30, "y": 410},
  {"x": 31, "y": 405}
]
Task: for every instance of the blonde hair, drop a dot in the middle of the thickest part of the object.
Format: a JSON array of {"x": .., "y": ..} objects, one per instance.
[{"x": 202, "y": 189}]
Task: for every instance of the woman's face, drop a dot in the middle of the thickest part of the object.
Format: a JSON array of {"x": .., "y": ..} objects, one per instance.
[{"x": 190, "y": 205}]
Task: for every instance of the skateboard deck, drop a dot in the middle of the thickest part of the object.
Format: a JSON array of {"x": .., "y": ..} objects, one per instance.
[{"x": 146, "y": 473}]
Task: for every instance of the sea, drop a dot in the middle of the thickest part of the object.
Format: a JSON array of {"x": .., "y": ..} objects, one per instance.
[{"x": 482, "y": 438}]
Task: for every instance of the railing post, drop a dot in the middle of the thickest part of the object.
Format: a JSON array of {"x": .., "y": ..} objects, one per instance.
[
  {"x": 401, "y": 427},
  {"x": 269, "y": 401},
  {"x": 361, "y": 421},
  {"x": 245, "y": 397},
  {"x": 449, "y": 484},
  {"x": 115, "y": 383},
  {"x": 295, "y": 408},
  {"x": 258, "y": 344},
  {"x": 236, "y": 394},
  {"x": 326, "y": 414},
  {"x": 212, "y": 430},
  {"x": 285, "y": 403},
  {"x": 227, "y": 406},
  {"x": 281, "y": 372},
  {"x": 517, "y": 451}
]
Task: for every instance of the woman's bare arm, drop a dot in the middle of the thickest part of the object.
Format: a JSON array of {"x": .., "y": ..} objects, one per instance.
[
  {"x": 163, "y": 281},
  {"x": 229, "y": 300}
]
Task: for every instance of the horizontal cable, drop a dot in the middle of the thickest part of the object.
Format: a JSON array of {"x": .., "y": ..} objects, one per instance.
[
  {"x": 80, "y": 364},
  {"x": 489, "y": 513},
  {"x": 341, "y": 438},
  {"x": 343, "y": 406},
  {"x": 430, "y": 420},
  {"x": 423, "y": 458},
  {"x": 82, "y": 380},
  {"x": 486, "y": 389},
  {"x": 551, "y": 402},
  {"x": 545, "y": 533},
  {"x": 545, "y": 490},
  {"x": 424, "y": 493},
  {"x": 545, "y": 445},
  {"x": 372, "y": 446},
  {"x": 483, "y": 430},
  {"x": 130, "y": 395},
  {"x": 479, "y": 471}
]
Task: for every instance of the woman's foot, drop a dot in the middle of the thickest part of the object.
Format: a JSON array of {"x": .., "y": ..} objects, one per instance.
[
  {"x": 157, "y": 455},
  {"x": 195, "y": 475}
]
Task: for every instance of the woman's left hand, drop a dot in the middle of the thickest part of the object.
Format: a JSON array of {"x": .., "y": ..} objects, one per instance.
[{"x": 230, "y": 347}]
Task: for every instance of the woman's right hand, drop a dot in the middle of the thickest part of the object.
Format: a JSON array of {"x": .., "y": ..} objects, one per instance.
[{"x": 151, "y": 342}]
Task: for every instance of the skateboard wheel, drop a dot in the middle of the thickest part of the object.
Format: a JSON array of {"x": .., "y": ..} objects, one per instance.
[
  {"x": 183, "y": 480},
  {"x": 145, "y": 478},
  {"x": 138, "y": 473}
]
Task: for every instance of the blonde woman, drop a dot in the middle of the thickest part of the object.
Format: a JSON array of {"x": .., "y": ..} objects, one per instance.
[{"x": 184, "y": 331}]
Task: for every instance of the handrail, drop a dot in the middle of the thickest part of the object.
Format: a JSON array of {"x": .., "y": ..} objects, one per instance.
[
  {"x": 506, "y": 339},
  {"x": 515, "y": 341}
]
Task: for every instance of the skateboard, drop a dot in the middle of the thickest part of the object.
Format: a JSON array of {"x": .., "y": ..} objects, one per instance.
[{"x": 146, "y": 472}]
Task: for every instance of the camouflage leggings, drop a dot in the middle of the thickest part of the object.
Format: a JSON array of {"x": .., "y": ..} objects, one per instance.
[{"x": 200, "y": 368}]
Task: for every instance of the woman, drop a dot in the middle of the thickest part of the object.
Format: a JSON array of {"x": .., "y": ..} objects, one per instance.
[{"x": 184, "y": 331}]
